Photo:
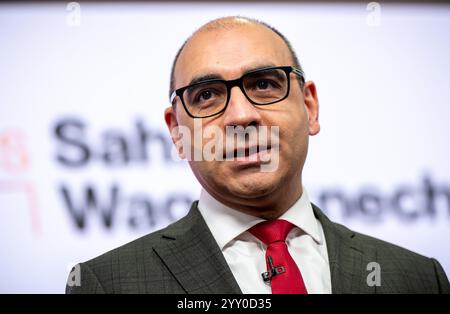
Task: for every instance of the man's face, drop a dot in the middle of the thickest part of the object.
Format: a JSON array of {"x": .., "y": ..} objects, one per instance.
[{"x": 229, "y": 53}]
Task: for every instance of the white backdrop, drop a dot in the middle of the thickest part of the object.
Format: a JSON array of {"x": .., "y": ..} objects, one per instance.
[{"x": 83, "y": 146}]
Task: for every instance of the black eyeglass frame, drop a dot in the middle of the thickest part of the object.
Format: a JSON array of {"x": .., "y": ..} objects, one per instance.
[{"x": 239, "y": 82}]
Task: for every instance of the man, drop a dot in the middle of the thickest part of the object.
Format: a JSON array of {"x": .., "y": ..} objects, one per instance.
[{"x": 253, "y": 229}]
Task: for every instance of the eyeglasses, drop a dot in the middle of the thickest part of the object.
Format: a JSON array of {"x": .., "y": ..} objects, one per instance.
[{"x": 261, "y": 87}]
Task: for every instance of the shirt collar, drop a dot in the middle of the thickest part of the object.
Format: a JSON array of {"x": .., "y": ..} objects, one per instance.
[{"x": 226, "y": 223}]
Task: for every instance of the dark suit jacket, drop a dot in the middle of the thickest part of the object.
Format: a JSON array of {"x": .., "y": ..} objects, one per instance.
[{"x": 184, "y": 258}]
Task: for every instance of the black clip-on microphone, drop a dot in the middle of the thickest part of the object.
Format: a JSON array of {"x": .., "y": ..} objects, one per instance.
[{"x": 273, "y": 271}]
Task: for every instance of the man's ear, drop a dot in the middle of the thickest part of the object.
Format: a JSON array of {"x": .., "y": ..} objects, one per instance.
[
  {"x": 172, "y": 124},
  {"x": 171, "y": 121},
  {"x": 312, "y": 107}
]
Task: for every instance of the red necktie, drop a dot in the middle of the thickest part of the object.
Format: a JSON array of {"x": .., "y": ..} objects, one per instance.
[{"x": 287, "y": 278}]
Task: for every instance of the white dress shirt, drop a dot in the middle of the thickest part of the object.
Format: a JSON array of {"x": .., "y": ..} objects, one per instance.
[{"x": 245, "y": 254}]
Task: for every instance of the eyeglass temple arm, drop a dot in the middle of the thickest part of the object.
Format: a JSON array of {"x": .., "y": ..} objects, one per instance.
[
  {"x": 172, "y": 96},
  {"x": 299, "y": 72}
]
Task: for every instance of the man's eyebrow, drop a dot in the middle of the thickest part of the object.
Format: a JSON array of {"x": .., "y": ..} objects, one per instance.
[
  {"x": 205, "y": 77},
  {"x": 215, "y": 76},
  {"x": 257, "y": 67}
]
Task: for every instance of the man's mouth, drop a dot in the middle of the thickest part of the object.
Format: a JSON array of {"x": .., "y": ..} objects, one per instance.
[{"x": 245, "y": 153}]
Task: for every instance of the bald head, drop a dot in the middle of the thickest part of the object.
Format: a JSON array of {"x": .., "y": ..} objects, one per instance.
[{"x": 226, "y": 24}]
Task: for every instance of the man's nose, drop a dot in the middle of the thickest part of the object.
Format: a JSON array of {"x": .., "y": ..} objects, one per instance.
[{"x": 240, "y": 111}]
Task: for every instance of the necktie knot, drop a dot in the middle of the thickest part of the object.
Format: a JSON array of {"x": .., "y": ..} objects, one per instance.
[
  {"x": 272, "y": 231},
  {"x": 282, "y": 272}
]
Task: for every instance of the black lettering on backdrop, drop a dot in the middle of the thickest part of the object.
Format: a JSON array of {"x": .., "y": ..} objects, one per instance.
[
  {"x": 113, "y": 148},
  {"x": 370, "y": 204},
  {"x": 90, "y": 201},
  {"x": 116, "y": 151},
  {"x": 147, "y": 136},
  {"x": 336, "y": 196},
  {"x": 73, "y": 151},
  {"x": 408, "y": 202},
  {"x": 401, "y": 198},
  {"x": 77, "y": 147},
  {"x": 142, "y": 212},
  {"x": 433, "y": 193}
]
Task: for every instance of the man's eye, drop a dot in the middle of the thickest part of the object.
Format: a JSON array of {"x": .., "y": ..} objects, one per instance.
[
  {"x": 205, "y": 95},
  {"x": 262, "y": 84},
  {"x": 265, "y": 84}
]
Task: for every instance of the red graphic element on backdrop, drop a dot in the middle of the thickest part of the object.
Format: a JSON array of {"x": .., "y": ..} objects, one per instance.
[
  {"x": 14, "y": 159},
  {"x": 13, "y": 153},
  {"x": 30, "y": 193}
]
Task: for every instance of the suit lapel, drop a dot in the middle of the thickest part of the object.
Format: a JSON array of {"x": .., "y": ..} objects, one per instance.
[
  {"x": 348, "y": 258},
  {"x": 191, "y": 254}
]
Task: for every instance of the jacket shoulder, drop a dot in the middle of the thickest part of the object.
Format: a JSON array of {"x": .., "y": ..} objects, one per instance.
[
  {"x": 401, "y": 269},
  {"x": 131, "y": 268}
]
